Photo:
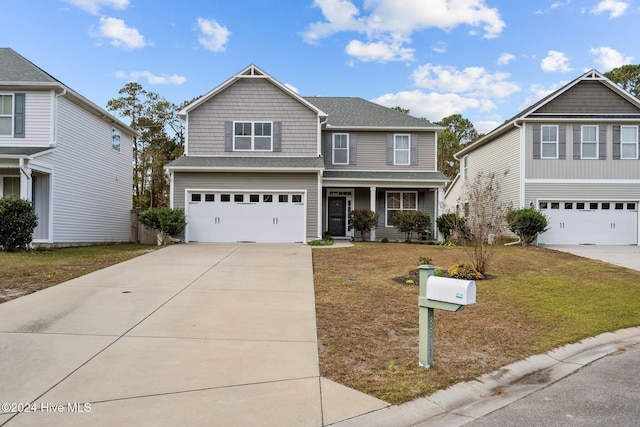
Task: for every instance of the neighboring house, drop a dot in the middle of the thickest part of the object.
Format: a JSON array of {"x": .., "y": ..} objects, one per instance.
[
  {"x": 66, "y": 155},
  {"x": 263, "y": 164},
  {"x": 574, "y": 156}
]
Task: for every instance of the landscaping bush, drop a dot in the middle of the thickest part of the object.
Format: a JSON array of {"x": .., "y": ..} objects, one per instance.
[
  {"x": 17, "y": 225},
  {"x": 166, "y": 221},
  {"x": 409, "y": 222},
  {"x": 362, "y": 221},
  {"x": 449, "y": 222},
  {"x": 463, "y": 270},
  {"x": 527, "y": 223}
]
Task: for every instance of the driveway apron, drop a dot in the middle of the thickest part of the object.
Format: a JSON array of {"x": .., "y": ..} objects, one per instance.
[{"x": 220, "y": 334}]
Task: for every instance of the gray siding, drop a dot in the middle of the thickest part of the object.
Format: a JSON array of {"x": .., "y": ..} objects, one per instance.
[
  {"x": 582, "y": 191},
  {"x": 372, "y": 152},
  {"x": 589, "y": 97},
  {"x": 252, "y": 100},
  {"x": 570, "y": 168},
  {"x": 91, "y": 181},
  {"x": 252, "y": 181}
]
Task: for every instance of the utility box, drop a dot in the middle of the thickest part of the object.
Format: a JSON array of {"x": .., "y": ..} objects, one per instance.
[{"x": 454, "y": 291}]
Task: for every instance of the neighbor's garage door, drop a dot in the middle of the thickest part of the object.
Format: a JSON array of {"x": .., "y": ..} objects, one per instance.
[
  {"x": 276, "y": 217},
  {"x": 597, "y": 223}
]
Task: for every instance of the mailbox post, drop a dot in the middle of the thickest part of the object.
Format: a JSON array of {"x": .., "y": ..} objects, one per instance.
[{"x": 438, "y": 293}]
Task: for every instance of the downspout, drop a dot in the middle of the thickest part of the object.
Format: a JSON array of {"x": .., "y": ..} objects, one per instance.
[{"x": 55, "y": 115}]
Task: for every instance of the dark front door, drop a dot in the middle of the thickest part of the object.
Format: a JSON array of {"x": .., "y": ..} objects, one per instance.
[{"x": 337, "y": 216}]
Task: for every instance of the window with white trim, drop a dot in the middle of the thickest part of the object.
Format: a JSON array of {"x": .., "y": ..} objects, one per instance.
[
  {"x": 549, "y": 141},
  {"x": 401, "y": 149},
  {"x": 340, "y": 149},
  {"x": 589, "y": 142},
  {"x": 6, "y": 114},
  {"x": 252, "y": 136},
  {"x": 628, "y": 142},
  {"x": 115, "y": 139},
  {"x": 398, "y": 201},
  {"x": 465, "y": 164}
]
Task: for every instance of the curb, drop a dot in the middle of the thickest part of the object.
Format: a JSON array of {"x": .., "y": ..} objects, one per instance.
[{"x": 464, "y": 402}]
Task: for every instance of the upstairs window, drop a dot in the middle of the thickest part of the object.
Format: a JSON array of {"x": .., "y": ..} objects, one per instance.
[
  {"x": 589, "y": 142},
  {"x": 340, "y": 149},
  {"x": 465, "y": 170},
  {"x": 252, "y": 136},
  {"x": 628, "y": 142},
  {"x": 115, "y": 139},
  {"x": 401, "y": 150},
  {"x": 549, "y": 141},
  {"x": 6, "y": 114}
]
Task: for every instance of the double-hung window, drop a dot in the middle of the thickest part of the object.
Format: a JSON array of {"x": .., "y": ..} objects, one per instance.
[
  {"x": 589, "y": 142},
  {"x": 549, "y": 141},
  {"x": 340, "y": 149},
  {"x": 401, "y": 150},
  {"x": 628, "y": 142},
  {"x": 6, "y": 114},
  {"x": 398, "y": 201},
  {"x": 252, "y": 136}
]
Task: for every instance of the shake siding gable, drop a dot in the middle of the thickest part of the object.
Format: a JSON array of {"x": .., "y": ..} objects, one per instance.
[
  {"x": 588, "y": 97},
  {"x": 252, "y": 99},
  {"x": 90, "y": 179}
]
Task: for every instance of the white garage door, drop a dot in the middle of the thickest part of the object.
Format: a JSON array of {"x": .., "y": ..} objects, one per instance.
[
  {"x": 265, "y": 217},
  {"x": 594, "y": 223}
]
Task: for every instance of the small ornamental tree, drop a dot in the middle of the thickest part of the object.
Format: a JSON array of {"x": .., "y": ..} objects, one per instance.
[
  {"x": 527, "y": 223},
  {"x": 363, "y": 221},
  {"x": 409, "y": 222},
  {"x": 166, "y": 221},
  {"x": 17, "y": 222}
]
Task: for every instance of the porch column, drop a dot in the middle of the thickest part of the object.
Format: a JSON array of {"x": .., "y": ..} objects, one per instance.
[
  {"x": 372, "y": 206},
  {"x": 439, "y": 210},
  {"x": 25, "y": 182}
]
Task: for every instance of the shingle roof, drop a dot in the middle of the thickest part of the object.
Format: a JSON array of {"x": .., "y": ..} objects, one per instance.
[
  {"x": 22, "y": 151},
  {"x": 15, "y": 68},
  {"x": 187, "y": 162},
  {"x": 360, "y": 113}
]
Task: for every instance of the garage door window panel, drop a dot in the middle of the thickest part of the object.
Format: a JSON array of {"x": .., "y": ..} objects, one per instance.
[{"x": 196, "y": 197}]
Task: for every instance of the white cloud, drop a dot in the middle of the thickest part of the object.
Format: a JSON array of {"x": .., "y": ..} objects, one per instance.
[
  {"x": 473, "y": 81},
  {"x": 486, "y": 126},
  {"x": 213, "y": 36},
  {"x": 555, "y": 61},
  {"x": 440, "y": 47},
  {"x": 151, "y": 78},
  {"x": 120, "y": 35},
  {"x": 614, "y": 8},
  {"x": 609, "y": 58},
  {"x": 94, "y": 6},
  {"x": 379, "y": 51},
  {"x": 537, "y": 92},
  {"x": 433, "y": 106},
  {"x": 391, "y": 20},
  {"x": 505, "y": 58}
]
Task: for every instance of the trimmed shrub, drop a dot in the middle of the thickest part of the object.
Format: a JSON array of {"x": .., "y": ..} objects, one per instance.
[
  {"x": 17, "y": 224},
  {"x": 166, "y": 221},
  {"x": 448, "y": 223},
  {"x": 466, "y": 271},
  {"x": 527, "y": 223},
  {"x": 363, "y": 221},
  {"x": 409, "y": 222}
]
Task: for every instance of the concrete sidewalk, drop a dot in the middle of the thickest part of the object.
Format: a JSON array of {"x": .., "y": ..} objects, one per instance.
[{"x": 188, "y": 335}]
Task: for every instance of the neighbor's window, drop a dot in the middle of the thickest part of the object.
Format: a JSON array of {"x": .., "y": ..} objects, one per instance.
[
  {"x": 11, "y": 186},
  {"x": 6, "y": 114},
  {"x": 115, "y": 139},
  {"x": 589, "y": 142},
  {"x": 465, "y": 164},
  {"x": 628, "y": 142},
  {"x": 340, "y": 149},
  {"x": 549, "y": 141},
  {"x": 252, "y": 136},
  {"x": 398, "y": 201},
  {"x": 401, "y": 150}
]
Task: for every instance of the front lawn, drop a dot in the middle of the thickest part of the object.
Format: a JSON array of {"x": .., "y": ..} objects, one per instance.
[
  {"x": 536, "y": 300},
  {"x": 22, "y": 273}
]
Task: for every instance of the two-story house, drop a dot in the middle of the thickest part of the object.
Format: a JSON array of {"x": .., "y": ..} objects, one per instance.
[
  {"x": 263, "y": 164},
  {"x": 66, "y": 155},
  {"x": 574, "y": 155}
]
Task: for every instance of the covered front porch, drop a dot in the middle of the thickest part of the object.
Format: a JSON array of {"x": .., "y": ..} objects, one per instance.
[
  {"x": 383, "y": 193},
  {"x": 22, "y": 176}
]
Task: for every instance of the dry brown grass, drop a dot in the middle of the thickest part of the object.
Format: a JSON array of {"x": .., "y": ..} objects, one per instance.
[{"x": 368, "y": 327}]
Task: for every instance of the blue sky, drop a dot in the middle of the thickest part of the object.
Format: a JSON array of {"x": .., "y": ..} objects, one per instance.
[{"x": 484, "y": 59}]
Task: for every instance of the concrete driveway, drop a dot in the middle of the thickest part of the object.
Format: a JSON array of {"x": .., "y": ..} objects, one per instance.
[
  {"x": 187, "y": 335},
  {"x": 624, "y": 256}
]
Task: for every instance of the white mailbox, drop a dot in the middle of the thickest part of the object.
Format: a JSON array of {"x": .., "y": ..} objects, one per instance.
[{"x": 454, "y": 291}]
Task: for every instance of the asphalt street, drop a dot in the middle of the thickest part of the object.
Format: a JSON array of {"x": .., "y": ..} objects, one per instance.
[{"x": 604, "y": 393}]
